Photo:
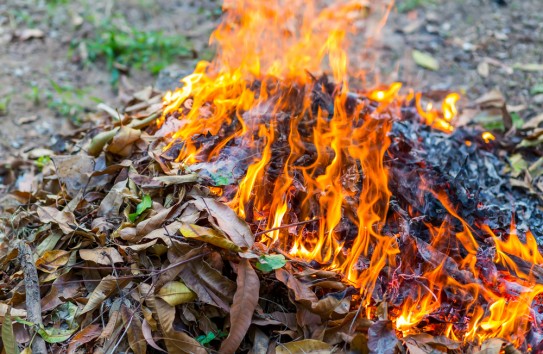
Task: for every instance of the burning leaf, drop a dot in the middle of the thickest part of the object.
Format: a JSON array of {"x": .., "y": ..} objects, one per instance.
[
  {"x": 8, "y": 338},
  {"x": 84, "y": 336},
  {"x": 425, "y": 60},
  {"x": 382, "y": 338},
  {"x": 176, "y": 293},
  {"x": 208, "y": 235},
  {"x": 146, "y": 203},
  {"x": 304, "y": 346},
  {"x": 267, "y": 263},
  {"x": 103, "y": 256},
  {"x": 243, "y": 306}
]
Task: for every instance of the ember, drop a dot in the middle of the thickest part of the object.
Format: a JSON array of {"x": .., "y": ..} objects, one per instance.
[{"x": 362, "y": 182}]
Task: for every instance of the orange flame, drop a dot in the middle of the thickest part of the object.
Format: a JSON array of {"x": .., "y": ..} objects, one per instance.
[{"x": 259, "y": 81}]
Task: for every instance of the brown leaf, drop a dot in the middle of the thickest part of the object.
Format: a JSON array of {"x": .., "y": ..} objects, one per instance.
[
  {"x": 52, "y": 260},
  {"x": 227, "y": 221},
  {"x": 29, "y": 33},
  {"x": 304, "y": 346},
  {"x": 105, "y": 289},
  {"x": 63, "y": 287},
  {"x": 243, "y": 306},
  {"x": 64, "y": 219},
  {"x": 176, "y": 341},
  {"x": 101, "y": 255},
  {"x": 148, "y": 335},
  {"x": 84, "y": 336},
  {"x": 211, "y": 286},
  {"x": 382, "y": 338},
  {"x": 491, "y": 99},
  {"x": 75, "y": 171},
  {"x": 110, "y": 205},
  {"x": 133, "y": 330},
  {"x": 114, "y": 318},
  {"x": 123, "y": 141},
  {"x": 206, "y": 234},
  {"x": 4, "y": 308}
]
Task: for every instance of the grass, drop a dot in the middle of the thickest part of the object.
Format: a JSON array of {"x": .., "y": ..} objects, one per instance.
[
  {"x": 124, "y": 46},
  {"x": 409, "y": 5},
  {"x": 65, "y": 100}
]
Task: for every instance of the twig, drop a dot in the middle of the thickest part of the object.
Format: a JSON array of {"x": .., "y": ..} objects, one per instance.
[
  {"x": 286, "y": 226},
  {"x": 33, "y": 305}
]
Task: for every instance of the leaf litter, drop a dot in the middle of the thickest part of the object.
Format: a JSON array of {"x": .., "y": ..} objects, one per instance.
[{"x": 149, "y": 257}]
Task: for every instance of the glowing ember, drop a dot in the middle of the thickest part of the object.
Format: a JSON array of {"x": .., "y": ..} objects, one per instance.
[{"x": 316, "y": 152}]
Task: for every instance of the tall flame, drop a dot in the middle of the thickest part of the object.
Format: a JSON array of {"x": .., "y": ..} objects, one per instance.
[{"x": 262, "y": 82}]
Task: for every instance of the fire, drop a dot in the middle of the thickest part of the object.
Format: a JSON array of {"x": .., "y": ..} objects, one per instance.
[{"x": 260, "y": 92}]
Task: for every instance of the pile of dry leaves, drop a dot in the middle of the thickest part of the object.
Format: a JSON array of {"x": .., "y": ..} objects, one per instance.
[{"x": 127, "y": 252}]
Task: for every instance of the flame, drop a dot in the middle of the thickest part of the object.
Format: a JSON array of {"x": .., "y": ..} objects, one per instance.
[
  {"x": 259, "y": 92},
  {"x": 488, "y": 137}
]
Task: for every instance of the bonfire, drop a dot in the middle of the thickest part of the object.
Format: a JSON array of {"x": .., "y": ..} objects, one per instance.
[{"x": 274, "y": 203}]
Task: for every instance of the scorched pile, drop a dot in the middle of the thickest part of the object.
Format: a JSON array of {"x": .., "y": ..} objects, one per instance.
[{"x": 267, "y": 207}]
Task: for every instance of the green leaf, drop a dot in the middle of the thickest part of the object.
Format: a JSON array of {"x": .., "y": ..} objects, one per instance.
[
  {"x": 206, "y": 339},
  {"x": 271, "y": 262},
  {"x": 146, "y": 203},
  {"x": 8, "y": 338},
  {"x": 50, "y": 334},
  {"x": 536, "y": 89},
  {"x": 425, "y": 60}
]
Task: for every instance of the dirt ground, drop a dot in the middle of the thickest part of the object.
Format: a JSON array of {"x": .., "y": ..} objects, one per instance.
[{"x": 47, "y": 82}]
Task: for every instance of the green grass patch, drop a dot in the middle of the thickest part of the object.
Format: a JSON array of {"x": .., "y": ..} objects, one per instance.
[
  {"x": 132, "y": 48},
  {"x": 409, "y": 5}
]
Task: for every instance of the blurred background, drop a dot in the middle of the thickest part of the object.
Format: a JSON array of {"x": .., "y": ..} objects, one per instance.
[{"x": 60, "y": 58}]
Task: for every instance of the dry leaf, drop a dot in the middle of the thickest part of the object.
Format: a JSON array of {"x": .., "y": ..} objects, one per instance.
[
  {"x": 103, "y": 256},
  {"x": 304, "y": 346},
  {"x": 382, "y": 338},
  {"x": 176, "y": 341},
  {"x": 483, "y": 69},
  {"x": 29, "y": 33},
  {"x": 227, "y": 221},
  {"x": 243, "y": 306},
  {"x": 52, "y": 260},
  {"x": 108, "y": 285},
  {"x": 176, "y": 293},
  {"x": 133, "y": 330},
  {"x": 64, "y": 219},
  {"x": 123, "y": 141},
  {"x": 84, "y": 336},
  {"x": 206, "y": 234},
  {"x": 148, "y": 335},
  {"x": 425, "y": 60}
]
